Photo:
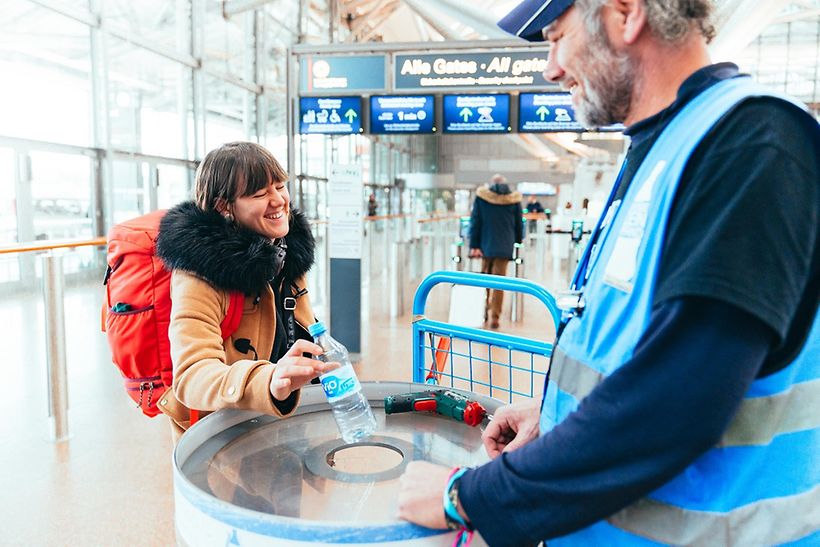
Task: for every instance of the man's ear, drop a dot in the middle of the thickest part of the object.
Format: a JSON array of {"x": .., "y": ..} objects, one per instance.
[{"x": 632, "y": 19}]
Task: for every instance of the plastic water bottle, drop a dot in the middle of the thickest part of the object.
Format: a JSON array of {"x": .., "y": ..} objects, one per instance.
[{"x": 344, "y": 392}]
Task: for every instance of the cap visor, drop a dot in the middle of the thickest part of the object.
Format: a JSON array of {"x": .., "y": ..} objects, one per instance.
[{"x": 528, "y": 19}]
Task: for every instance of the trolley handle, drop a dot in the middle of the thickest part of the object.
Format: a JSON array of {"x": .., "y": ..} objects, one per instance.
[{"x": 486, "y": 281}]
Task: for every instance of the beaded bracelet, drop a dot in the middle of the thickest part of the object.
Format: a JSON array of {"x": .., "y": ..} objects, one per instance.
[{"x": 450, "y": 501}]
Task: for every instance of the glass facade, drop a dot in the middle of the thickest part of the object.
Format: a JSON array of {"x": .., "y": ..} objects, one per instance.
[{"x": 114, "y": 103}]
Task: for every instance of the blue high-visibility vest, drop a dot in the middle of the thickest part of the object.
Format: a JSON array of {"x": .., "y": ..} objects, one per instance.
[{"x": 761, "y": 484}]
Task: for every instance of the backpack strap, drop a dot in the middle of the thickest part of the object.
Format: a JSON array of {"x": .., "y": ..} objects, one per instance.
[
  {"x": 234, "y": 315},
  {"x": 289, "y": 305}
]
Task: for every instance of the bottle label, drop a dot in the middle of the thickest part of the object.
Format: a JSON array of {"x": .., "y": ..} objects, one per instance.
[{"x": 340, "y": 383}]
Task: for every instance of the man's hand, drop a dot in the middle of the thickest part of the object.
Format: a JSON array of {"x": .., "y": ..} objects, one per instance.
[
  {"x": 476, "y": 253},
  {"x": 294, "y": 370},
  {"x": 512, "y": 427},
  {"x": 421, "y": 489}
]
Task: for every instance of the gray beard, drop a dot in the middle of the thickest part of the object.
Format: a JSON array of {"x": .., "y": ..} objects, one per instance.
[{"x": 607, "y": 88}]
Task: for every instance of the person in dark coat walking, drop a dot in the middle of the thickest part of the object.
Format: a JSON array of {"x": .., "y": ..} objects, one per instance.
[{"x": 495, "y": 227}]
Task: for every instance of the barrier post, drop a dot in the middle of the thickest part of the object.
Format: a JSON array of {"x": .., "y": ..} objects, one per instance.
[
  {"x": 517, "y": 304},
  {"x": 540, "y": 246},
  {"x": 370, "y": 228},
  {"x": 442, "y": 237},
  {"x": 457, "y": 254},
  {"x": 387, "y": 243},
  {"x": 55, "y": 346},
  {"x": 575, "y": 248},
  {"x": 429, "y": 256},
  {"x": 398, "y": 268},
  {"x": 413, "y": 258}
]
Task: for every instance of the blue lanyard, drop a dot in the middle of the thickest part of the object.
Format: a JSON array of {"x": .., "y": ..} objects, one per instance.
[{"x": 580, "y": 277}]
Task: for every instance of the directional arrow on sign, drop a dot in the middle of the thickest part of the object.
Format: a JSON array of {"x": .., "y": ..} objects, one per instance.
[
  {"x": 351, "y": 115},
  {"x": 465, "y": 113},
  {"x": 543, "y": 111}
]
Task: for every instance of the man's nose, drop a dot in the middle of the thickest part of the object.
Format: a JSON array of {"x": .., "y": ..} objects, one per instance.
[{"x": 553, "y": 72}]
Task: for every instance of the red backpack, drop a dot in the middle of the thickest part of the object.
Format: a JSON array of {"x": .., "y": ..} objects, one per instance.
[{"x": 137, "y": 310}]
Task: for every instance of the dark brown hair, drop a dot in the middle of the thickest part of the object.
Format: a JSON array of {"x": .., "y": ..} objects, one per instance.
[{"x": 234, "y": 170}]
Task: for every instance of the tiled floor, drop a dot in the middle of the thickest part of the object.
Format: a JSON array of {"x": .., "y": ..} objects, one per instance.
[{"x": 110, "y": 483}]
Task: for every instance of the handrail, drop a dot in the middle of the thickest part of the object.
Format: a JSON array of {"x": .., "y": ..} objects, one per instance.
[
  {"x": 386, "y": 217},
  {"x": 439, "y": 218},
  {"x": 32, "y": 246},
  {"x": 486, "y": 282}
]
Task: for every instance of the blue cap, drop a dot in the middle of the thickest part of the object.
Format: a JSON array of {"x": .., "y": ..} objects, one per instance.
[
  {"x": 529, "y": 18},
  {"x": 316, "y": 329}
]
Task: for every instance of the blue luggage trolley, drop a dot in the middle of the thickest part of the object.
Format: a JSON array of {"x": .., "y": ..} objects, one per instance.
[{"x": 492, "y": 363}]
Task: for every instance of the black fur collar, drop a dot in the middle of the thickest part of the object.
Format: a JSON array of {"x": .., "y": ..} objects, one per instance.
[{"x": 227, "y": 256}]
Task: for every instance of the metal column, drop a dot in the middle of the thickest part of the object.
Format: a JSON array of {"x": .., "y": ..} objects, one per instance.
[
  {"x": 55, "y": 346},
  {"x": 517, "y": 304}
]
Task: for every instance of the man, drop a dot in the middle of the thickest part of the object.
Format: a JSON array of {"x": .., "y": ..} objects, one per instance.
[
  {"x": 683, "y": 400},
  {"x": 496, "y": 226},
  {"x": 533, "y": 205}
]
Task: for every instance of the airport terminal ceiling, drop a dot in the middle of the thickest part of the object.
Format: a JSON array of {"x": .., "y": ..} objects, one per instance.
[{"x": 775, "y": 40}]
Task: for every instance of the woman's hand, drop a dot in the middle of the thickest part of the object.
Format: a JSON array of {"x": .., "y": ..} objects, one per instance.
[{"x": 294, "y": 370}]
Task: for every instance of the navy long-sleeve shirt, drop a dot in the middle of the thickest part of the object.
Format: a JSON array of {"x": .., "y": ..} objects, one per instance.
[{"x": 637, "y": 430}]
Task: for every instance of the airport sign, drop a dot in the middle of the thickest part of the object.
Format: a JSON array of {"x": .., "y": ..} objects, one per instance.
[
  {"x": 327, "y": 73},
  {"x": 546, "y": 112},
  {"x": 402, "y": 114},
  {"x": 466, "y": 70},
  {"x": 476, "y": 113},
  {"x": 330, "y": 115}
]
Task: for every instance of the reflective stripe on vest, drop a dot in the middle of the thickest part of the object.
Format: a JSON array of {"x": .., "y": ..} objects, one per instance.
[
  {"x": 757, "y": 422},
  {"x": 767, "y": 522},
  {"x": 759, "y": 485}
]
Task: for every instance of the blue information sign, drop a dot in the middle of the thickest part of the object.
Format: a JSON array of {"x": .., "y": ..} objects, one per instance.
[
  {"x": 329, "y": 74},
  {"x": 330, "y": 115},
  {"x": 550, "y": 112},
  {"x": 402, "y": 114},
  {"x": 546, "y": 112},
  {"x": 476, "y": 113}
]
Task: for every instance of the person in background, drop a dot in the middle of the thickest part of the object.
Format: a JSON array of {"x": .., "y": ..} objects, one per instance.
[
  {"x": 682, "y": 405},
  {"x": 372, "y": 206},
  {"x": 533, "y": 205},
  {"x": 238, "y": 235},
  {"x": 496, "y": 226}
]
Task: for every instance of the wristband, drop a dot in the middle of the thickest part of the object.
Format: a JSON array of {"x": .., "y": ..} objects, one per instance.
[{"x": 450, "y": 502}]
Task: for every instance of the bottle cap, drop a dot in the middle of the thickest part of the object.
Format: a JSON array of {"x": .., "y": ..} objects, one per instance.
[{"x": 317, "y": 328}]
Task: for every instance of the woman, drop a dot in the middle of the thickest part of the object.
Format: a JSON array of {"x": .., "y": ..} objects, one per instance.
[{"x": 238, "y": 236}]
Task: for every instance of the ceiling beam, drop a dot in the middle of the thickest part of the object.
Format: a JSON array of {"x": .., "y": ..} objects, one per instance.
[
  {"x": 800, "y": 15},
  {"x": 534, "y": 146},
  {"x": 432, "y": 19},
  {"x": 568, "y": 142},
  {"x": 461, "y": 12},
  {"x": 740, "y": 22},
  {"x": 380, "y": 19},
  {"x": 235, "y": 7}
]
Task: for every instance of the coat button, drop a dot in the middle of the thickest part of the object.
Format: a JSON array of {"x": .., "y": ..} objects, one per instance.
[
  {"x": 231, "y": 390},
  {"x": 164, "y": 402}
]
